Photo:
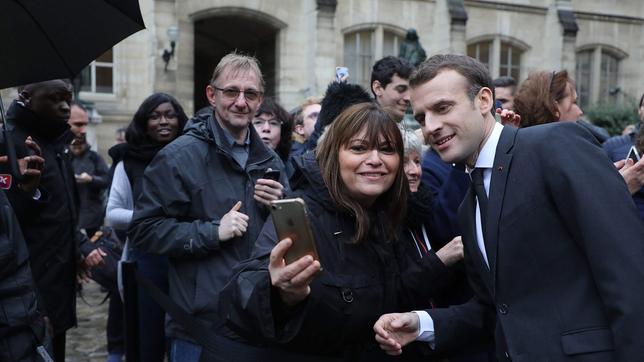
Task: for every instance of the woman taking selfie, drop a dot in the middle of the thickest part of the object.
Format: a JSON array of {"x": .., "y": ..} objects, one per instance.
[{"x": 355, "y": 191}]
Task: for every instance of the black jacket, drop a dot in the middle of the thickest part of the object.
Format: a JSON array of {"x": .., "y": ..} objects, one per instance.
[
  {"x": 49, "y": 224},
  {"x": 188, "y": 187},
  {"x": 359, "y": 282},
  {"x": 20, "y": 317},
  {"x": 91, "y": 194}
]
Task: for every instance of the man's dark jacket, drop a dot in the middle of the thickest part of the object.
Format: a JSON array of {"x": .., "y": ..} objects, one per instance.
[
  {"x": 49, "y": 224},
  {"x": 188, "y": 187},
  {"x": 565, "y": 247},
  {"x": 91, "y": 193},
  {"x": 20, "y": 314}
]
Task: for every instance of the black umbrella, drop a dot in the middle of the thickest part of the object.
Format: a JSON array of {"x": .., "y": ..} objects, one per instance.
[{"x": 49, "y": 39}]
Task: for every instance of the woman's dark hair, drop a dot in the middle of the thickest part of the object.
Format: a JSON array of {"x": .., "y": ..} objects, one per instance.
[
  {"x": 376, "y": 123},
  {"x": 537, "y": 97},
  {"x": 137, "y": 131},
  {"x": 269, "y": 106}
]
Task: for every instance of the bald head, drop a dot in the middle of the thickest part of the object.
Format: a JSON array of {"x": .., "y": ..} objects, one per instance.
[
  {"x": 78, "y": 120},
  {"x": 49, "y": 100}
]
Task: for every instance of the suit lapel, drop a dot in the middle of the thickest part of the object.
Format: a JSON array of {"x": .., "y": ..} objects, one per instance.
[{"x": 500, "y": 170}]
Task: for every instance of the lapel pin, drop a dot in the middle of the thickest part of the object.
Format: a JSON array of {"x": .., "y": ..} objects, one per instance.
[{"x": 500, "y": 168}]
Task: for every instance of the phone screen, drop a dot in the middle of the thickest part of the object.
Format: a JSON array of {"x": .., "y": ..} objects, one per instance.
[
  {"x": 633, "y": 154},
  {"x": 272, "y": 175}
]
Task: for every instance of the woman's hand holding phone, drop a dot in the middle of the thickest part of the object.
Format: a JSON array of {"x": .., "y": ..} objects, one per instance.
[{"x": 292, "y": 280}]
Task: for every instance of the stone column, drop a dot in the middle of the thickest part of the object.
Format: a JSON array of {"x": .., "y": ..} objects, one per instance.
[
  {"x": 325, "y": 50},
  {"x": 458, "y": 20},
  {"x": 569, "y": 29}
]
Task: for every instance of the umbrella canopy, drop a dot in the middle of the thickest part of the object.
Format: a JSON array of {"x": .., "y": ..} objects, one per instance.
[{"x": 45, "y": 39}]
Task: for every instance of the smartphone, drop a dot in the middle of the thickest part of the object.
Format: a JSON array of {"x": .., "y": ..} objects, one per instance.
[
  {"x": 340, "y": 73},
  {"x": 291, "y": 221},
  {"x": 633, "y": 154},
  {"x": 272, "y": 175}
]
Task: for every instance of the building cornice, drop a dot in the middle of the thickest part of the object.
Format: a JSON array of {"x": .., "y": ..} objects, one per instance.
[
  {"x": 498, "y": 5},
  {"x": 583, "y": 15}
]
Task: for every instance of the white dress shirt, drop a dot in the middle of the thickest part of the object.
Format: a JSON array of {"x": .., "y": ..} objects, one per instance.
[{"x": 485, "y": 161}]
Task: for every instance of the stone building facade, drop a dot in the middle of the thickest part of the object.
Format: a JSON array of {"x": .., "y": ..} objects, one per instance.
[{"x": 300, "y": 42}]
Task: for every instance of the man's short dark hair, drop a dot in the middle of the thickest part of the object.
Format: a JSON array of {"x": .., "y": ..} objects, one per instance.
[
  {"x": 384, "y": 69},
  {"x": 475, "y": 72},
  {"x": 506, "y": 81}
]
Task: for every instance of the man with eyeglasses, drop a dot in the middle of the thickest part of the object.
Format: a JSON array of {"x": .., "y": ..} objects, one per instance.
[{"x": 204, "y": 202}]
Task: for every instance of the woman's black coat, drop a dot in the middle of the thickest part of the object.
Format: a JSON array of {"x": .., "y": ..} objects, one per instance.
[{"x": 358, "y": 283}]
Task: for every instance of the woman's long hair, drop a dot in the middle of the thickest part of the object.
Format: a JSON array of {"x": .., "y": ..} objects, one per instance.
[
  {"x": 137, "y": 132},
  {"x": 378, "y": 124}
]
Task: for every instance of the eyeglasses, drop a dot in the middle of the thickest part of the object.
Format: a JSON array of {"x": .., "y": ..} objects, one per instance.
[
  {"x": 230, "y": 94},
  {"x": 258, "y": 122},
  {"x": 157, "y": 116}
]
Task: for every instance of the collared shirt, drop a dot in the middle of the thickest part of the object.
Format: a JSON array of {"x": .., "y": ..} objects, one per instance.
[
  {"x": 240, "y": 151},
  {"x": 485, "y": 161}
]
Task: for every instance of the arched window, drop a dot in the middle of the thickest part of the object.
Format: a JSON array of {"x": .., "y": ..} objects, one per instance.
[
  {"x": 597, "y": 75},
  {"x": 502, "y": 56},
  {"x": 364, "y": 47}
]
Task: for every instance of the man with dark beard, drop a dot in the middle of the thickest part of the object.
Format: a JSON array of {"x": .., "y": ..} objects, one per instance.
[{"x": 48, "y": 215}]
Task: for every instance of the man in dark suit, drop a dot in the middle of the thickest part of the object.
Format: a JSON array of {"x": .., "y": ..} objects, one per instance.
[{"x": 553, "y": 243}]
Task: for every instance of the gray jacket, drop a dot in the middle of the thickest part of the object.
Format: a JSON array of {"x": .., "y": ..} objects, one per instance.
[{"x": 188, "y": 187}]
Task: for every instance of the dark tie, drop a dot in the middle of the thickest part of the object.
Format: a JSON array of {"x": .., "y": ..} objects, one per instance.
[{"x": 481, "y": 195}]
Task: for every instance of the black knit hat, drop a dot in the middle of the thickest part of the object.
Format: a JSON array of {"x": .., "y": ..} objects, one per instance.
[{"x": 338, "y": 97}]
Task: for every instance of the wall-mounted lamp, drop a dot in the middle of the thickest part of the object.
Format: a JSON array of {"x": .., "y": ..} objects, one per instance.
[{"x": 173, "y": 35}]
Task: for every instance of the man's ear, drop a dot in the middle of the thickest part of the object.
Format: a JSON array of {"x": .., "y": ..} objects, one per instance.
[
  {"x": 210, "y": 94},
  {"x": 299, "y": 129},
  {"x": 376, "y": 87},
  {"x": 486, "y": 100}
]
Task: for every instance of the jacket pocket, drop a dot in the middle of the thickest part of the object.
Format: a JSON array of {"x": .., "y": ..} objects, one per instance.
[
  {"x": 594, "y": 339},
  {"x": 349, "y": 290}
]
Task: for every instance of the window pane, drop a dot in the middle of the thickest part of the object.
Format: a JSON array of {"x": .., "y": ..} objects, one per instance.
[
  {"x": 582, "y": 77},
  {"x": 104, "y": 80},
  {"x": 608, "y": 79},
  {"x": 351, "y": 53},
  {"x": 481, "y": 52},
  {"x": 86, "y": 79},
  {"x": 366, "y": 57},
  {"x": 358, "y": 55},
  {"x": 391, "y": 43},
  {"x": 510, "y": 61}
]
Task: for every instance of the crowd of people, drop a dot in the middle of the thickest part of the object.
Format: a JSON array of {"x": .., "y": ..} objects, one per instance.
[{"x": 505, "y": 228}]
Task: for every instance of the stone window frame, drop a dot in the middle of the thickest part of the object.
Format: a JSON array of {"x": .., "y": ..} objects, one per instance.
[
  {"x": 496, "y": 42},
  {"x": 589, "y": 90},
  {"x": 377, "y": 32}
]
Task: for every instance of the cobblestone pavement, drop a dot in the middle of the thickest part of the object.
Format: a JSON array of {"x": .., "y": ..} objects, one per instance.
[{"x": 87, "y": 342}]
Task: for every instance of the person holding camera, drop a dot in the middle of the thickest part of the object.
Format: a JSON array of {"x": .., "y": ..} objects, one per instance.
[{"x": 322, "y": 309}]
